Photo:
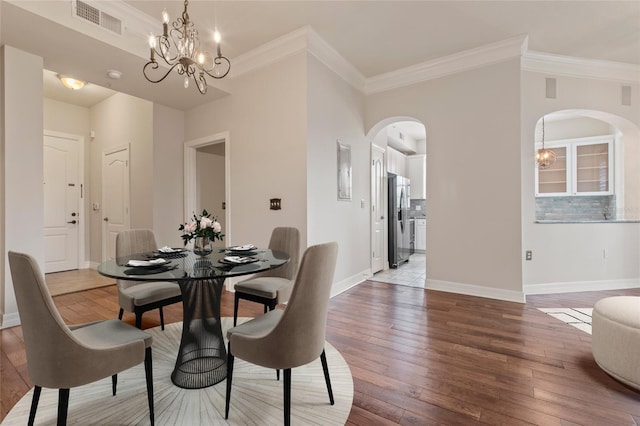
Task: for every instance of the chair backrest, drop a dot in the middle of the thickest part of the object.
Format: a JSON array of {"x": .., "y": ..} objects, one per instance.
[
  {"x": 47, "y": 338},
  {"x": 301, "y": 330},
  {"x": 132, "y": 241},
  {"x": 286, "y": 240}
]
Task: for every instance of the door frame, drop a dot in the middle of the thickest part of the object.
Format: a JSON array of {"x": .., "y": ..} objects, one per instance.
[
  {"x": 190, "y": 180},
  {"x": 382, "y": 209},
  {"x": 82, "y": 262}
]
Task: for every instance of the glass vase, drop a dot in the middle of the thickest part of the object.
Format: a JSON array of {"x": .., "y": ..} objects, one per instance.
[{"x": 202, "y": 246}]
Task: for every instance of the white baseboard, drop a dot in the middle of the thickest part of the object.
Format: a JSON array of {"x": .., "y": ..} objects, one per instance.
[
  {"x": 575, "y": 286},
  {"x": 352, "y": 281},
  {"x": 10, "y": 320},
  {"x": 475, "y": 290},
  {"x": 94, "y": 265}
]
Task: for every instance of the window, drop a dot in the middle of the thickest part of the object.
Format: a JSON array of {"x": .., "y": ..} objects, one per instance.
[{"x": 583, "y": 167}]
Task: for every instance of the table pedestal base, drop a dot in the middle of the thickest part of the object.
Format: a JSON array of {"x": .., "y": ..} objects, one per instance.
[{"x": 202, "y": 356}]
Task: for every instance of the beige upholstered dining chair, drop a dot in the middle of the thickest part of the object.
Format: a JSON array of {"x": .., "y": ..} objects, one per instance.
[
  {"x": 61, "y": 356},
  {"x": 140, "y": 297},
  {"x": 273, "y": 286},
  {"x": 295, "y": 336}
]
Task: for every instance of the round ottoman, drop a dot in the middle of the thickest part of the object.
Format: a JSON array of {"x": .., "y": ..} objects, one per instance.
[{"x": 616, "y": 338}]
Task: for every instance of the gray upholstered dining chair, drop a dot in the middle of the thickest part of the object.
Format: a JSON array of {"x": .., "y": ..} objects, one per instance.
[
  {"x": 295, "y": 336},
  {"x": 273, "y": 286},
  {"x": 61, "y": 356},
  {"x": 140, "y": 297}
]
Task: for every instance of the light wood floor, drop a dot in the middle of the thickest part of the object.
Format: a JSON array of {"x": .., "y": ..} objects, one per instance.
[
  {"x": 425, "y": 357},
  {"x": 77, "y": 280}
]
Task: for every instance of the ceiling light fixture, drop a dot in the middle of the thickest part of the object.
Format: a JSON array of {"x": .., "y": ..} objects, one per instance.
[
  {"x": 71, "y": 83},
  {"x": 180, "y": 49},
  {"x": 545, "y": 157}
]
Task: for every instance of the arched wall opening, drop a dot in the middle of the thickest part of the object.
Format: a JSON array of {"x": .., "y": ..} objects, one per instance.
[
  {"x": 398, "y": 221},
  {"x": 596, "y": 172}
]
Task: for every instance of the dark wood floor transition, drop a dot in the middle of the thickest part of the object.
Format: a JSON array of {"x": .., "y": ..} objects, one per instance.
[{"x": 425, "y": 357}]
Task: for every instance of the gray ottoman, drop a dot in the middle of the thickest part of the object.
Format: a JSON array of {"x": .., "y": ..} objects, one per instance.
[{"x": 616, "y": 338}]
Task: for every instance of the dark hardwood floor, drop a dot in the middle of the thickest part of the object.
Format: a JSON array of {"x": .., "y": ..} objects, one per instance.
[{"x": 425, "y": 357}]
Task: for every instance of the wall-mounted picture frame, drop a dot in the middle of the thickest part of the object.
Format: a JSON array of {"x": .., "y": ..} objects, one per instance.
[{"x": 344, "y": 171}]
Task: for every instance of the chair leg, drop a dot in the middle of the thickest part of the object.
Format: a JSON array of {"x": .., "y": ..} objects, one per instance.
[
  {"x": 287, "y": 396},
  {"x": 277, "y": 374},
  {"x": 34, "y": 404},
  {"x": 148, "y": 372},
  {"x": 161, "y": 318},
  {"x": 229, "y": 378},
  {"x": 265, "y": 308},
  {"x": 63, "y": 406},
  {"x": 114, "y": 384},
  {"x": 139, "y": 320},
  {"x": 120, "y": 313},
  {"x": 235, "y": 308},
  {"x": 325, "y": 368}
]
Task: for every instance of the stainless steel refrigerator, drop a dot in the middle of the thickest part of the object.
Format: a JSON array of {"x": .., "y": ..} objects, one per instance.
[{"x": 399, "y": 232}]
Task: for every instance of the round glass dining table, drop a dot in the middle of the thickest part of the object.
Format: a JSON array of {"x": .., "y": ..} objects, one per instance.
[{"x": 202, "y": 357}]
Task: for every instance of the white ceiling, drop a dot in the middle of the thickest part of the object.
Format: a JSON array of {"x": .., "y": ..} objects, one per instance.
[{"x": 374, "y": 36}]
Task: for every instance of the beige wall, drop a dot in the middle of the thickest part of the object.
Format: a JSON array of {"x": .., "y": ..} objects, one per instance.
[
  {"x": 570, "y": 256},
  {"x": 168, "y": 186},
  {"x": 336, "y": 111},
  {"x": 123, "y": 120},
  {"x": 473, "y": 175},
  {"x": 266, "y": 121},
  {"x": 22, "y": 157},
  {"x": 210, "y": 169}
]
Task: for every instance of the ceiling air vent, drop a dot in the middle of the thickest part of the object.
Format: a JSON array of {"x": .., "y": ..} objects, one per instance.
[{"x": 84, "y": 10}]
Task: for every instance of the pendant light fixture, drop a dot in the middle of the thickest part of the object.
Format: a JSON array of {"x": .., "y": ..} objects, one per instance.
[
  {"x": 545, "y": 157},
  {"x": 179, "y": 48}
]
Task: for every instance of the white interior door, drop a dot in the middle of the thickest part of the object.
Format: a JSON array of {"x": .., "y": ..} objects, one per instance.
[
  {"x": 115, "y": 198},
  {"x": 62, "y": 192},
  {"x": 377, "y": 209}
]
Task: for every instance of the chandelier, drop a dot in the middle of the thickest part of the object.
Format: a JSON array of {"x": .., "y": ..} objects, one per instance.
[
  {"x": 179, "y": 48},
  {"x": 545, "y": 157}
]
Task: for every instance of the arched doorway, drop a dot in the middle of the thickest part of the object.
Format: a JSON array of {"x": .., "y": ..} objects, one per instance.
[{"x": 398, "y": 154}]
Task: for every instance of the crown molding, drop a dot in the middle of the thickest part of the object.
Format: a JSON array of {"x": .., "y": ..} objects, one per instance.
[
  {"x": 330, "y": 57},
  {"x": 270, "y": 52},
  {"x": 451, "y": 64},
  {"x": 570, "y": 66},
  {"x": 302, "y": 39}
]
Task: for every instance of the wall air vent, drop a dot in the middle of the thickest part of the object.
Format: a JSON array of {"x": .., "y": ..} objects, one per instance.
[{"x": 90, "y": 13}]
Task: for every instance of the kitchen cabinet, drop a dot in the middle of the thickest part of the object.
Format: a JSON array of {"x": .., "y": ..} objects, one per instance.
[
  {"x": 416, "y": 171},
  {"x": 421, "y": 235},
  {"x": 396, "y": 162}
]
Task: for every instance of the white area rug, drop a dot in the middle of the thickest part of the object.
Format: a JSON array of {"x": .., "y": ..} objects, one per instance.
[
  {"x": 256, "y": 396},
  {"x": 578, "y": 317}
]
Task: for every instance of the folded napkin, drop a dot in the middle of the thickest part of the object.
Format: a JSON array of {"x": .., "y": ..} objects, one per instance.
[
  {"x": 244, "y": 247},
  {"x": 239, "y": 259},
  {"x": 166, "y": 249},
  {"x": 154, "y": 262}
]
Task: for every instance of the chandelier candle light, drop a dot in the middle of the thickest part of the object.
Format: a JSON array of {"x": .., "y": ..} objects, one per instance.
[
  {"x": 179, "y": 47},
  {"x": 545, "y": 157}
]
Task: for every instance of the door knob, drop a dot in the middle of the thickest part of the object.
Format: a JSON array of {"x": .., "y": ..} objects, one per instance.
[
  {"x": 106, "y": 219},
  {"x": 73, "y": 221},
  {"x": 73, "y": 214}
]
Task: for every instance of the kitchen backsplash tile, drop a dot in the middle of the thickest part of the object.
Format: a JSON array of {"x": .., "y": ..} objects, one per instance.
[
  {"x": 596, "y": 207},
  {"x": 417, "y": 208}
]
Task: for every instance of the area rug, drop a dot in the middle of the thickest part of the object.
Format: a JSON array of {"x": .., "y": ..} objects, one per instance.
[
  {"x": 256, "y": 398},
  {"x": 579, "y": 318}
]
